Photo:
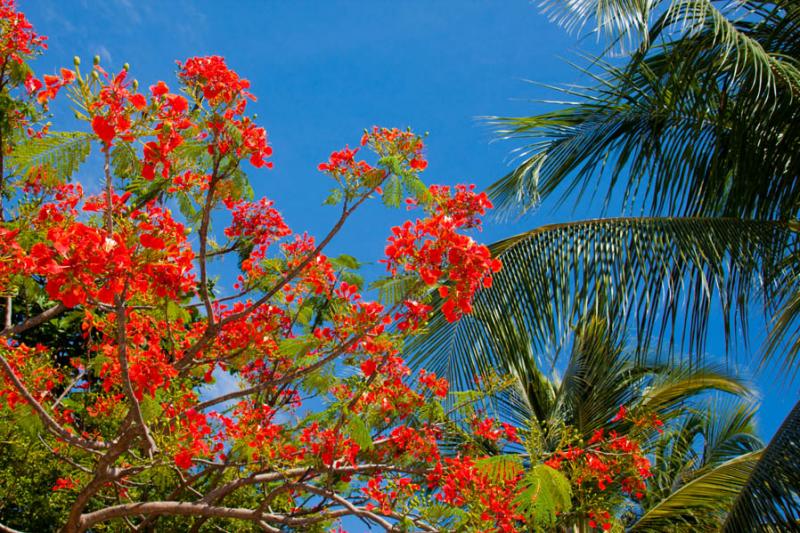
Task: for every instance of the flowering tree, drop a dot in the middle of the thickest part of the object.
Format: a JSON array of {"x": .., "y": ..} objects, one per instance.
[{"x": 325, "y": 421}]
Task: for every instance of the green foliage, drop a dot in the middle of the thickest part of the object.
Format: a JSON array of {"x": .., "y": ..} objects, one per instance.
[
  {"x": 59, "y": 153},
  {"x": 545, "y": 493},
  {"x": 500, "y": 468},
  {"x": 28, "y": 470},
  {"x": 393, "y": 192},
  {"x": 358, "y": 430}
]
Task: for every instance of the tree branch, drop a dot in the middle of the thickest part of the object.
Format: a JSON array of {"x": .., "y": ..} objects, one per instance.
[{"x": 32, "y": 322}]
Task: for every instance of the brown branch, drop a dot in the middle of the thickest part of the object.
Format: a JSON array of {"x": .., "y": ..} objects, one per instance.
[
  {"x": 48, "y": 420},
  {"x": 174, "y": 508},
  {"x": 357, "y": 511},
  {"x": 32, "y": 322},
  {"x": 136, "y": 409},
  {"x": 6, "y": 529},
  {"x": 303, "y": 473},
  {"x": 104, "y": 472}
]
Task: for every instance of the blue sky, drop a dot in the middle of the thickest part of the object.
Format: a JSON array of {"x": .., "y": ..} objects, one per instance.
[{"x": 325, "y": 70}]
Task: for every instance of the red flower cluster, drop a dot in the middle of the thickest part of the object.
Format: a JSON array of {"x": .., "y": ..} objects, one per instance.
[
  {"x": 386, "y": 141},
  {"x": 434, "y": 248},
  {"x": 226, "y": 93},
  {"x": 439, "y": 386},
  {"x": 257, "y": 222},
  {"x": 490, "y": 429},
  {"x": 343, "y": 162},
  {"x": 12, "y": 258},
  {"x": 218, "y": 83},
  {"x": 47, "y": 90},
  {"x": 329, "y": 445},
  {"x": 26, "y": 362},
  {"x": 112, "y": 108},
  {"x": 64, "y": 483},
  {"x": 463, "y": 483},
  {"x": 171, "y": 119},
  {"x": 18, "y": 41},
  {"x": 604, "y": 517}
]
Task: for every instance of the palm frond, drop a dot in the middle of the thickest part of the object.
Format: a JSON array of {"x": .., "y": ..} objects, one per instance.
[
  {"x": 702, "y": 501},
  {"x": 619, "y": 270},
  {"x": 770, "y": 500},
  {"x": 622, "y": 21},
  {"x": 667, "y": 394},
  {"x": 704, "y": 122}
]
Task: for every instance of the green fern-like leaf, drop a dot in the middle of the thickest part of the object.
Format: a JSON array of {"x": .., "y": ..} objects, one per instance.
[
  {"x": 392, "y": 192},
  {"x": 546, "y": 491},
  {"x": 359, "y": 432},
  {"x": 124, "y": 161},
  {"x": 61, "y": 153},
  {"x": 500, "y": 468}
]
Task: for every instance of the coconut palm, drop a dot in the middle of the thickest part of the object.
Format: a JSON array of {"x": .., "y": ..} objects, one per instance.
[
  {"x": 702, "y": 122},
  {"x": 701, "y": 465},
  {"x": 584, "y": 396}
]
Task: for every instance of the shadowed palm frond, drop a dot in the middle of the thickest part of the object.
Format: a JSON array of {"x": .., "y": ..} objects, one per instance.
[
  {"x": 700, "y": 440},
  {"x": 770, "y": 500}
]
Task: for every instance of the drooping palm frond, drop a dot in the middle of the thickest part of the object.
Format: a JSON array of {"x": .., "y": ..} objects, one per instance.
[
  {"x": 621, "y": 270},
  {"x": 623, "y": 21},
  {"x": 728, "y": 430},
  {"x": 700, "y": 503},
  {"x": 770, "y": 499},
  {"x": 703, "y": 124},
  {"x": 782, "y": 345},
  {"x": 697, "y": 442}
]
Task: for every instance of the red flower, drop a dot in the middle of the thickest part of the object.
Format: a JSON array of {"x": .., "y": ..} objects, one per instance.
[
  {"x": 103, "y": 129},
  {"x": 64, "y": 483},
  {"x": 138, "y": 101},
  {"x": 620, "y": 414},
  {"x": 183, "y": 459},
  {"x": 159, "y": 89}
]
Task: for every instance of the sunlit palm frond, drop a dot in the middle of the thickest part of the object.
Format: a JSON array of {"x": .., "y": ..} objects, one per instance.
[
  {"x": 703, "y": 124},
  {"x": 621, "y": 270},
  {"x": 700, "y": 503}
]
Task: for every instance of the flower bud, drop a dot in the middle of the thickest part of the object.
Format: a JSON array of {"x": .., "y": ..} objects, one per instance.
[
  {"x": 135, "y": 84},
  {"x": 96, "y": 60},
  {"x": 95, "y": 75},
  {"x": 126, "y": 67},
  {"x": 76, "y": 61}
]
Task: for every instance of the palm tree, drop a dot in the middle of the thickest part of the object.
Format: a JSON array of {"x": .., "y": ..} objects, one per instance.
[
  {"x": 701, "y": 465},
  {"x": 599, "y": 376},
  {"x": 702, "y": 123}
]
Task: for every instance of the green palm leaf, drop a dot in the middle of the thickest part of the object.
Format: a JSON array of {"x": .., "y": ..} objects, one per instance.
[
  {"x": 702, "y": 501},
  {"x": 620, "y": 270},
  {"x": 769, "y": 499},
  {"x": 703, "y": 122}
]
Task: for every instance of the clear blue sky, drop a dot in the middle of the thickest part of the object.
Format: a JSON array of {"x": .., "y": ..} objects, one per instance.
[{"x": 325, "y": 70}]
